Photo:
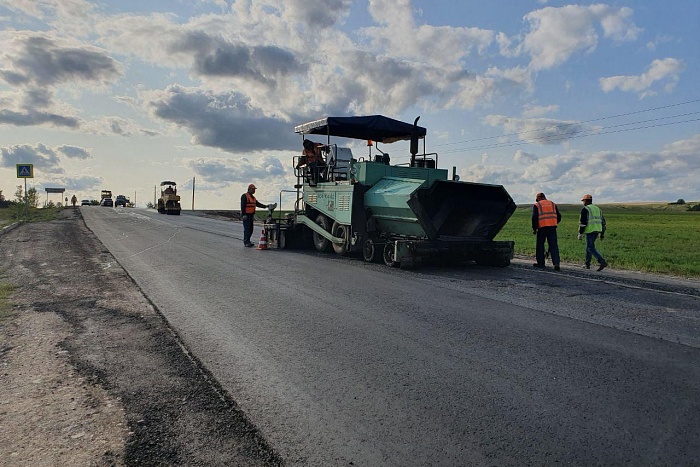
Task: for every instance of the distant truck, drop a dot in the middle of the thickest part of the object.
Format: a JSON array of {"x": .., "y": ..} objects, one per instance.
[
  {"x": 106, "y": 198},
  {"x": 121, "y": 200},
  {"x": 169, "y": 201}
]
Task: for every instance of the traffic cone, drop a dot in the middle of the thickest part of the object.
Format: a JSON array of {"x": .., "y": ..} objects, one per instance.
[{"x": 262, "y": 244}]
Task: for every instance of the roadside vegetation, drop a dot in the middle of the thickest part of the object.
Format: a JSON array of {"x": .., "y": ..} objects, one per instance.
[
  {"x": 25, "y": 207},
  {"x": 652, "y": 237},
  {"x": 5, "y": 305},
  {"x": 15, "y": 213}
]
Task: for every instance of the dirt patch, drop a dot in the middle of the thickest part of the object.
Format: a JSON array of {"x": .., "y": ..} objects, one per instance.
[{"x": 90, "y": 373}]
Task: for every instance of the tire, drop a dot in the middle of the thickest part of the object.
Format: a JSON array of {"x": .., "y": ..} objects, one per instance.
[
  {"x": 341, "y": 231},
  {"x": 388, "y": 256},
  {"x": 370, "y": 251},
  {"x": 321, "y": 243}
]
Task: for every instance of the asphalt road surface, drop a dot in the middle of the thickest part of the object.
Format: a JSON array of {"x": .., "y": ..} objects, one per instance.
[{"x": 340, "y": 362}]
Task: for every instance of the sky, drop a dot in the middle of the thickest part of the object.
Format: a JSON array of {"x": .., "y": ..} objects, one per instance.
[{"x": 566, "y": 98}]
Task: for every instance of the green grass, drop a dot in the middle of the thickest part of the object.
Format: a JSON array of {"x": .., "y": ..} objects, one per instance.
[
  {"x": 15, "y": 213},
  {"x": 652, "y": 237},
  {"x": 5, "y": 305},
  {"x": 7, "y": 216}
]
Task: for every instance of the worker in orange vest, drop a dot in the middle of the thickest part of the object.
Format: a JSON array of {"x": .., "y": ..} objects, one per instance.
[
  {"x": 545, "y": 217},
  {"x": 312, "y": 157},
  {"x": 248, "y": 205}
]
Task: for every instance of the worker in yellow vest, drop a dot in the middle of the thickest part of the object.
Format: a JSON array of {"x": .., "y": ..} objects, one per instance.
[
  {"x": 592, "y": 224},
  {"x": 545, "y": 217}
]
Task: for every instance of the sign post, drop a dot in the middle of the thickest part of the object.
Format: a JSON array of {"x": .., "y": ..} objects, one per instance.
[{"x": 25, "y": 171}]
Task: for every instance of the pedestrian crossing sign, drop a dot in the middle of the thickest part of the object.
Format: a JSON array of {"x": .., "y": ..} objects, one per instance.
[{"x": 25, "y": 170}]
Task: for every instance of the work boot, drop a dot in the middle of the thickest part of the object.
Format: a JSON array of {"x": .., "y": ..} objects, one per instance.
[
  {"x": 538, "y": 265},
  {"x": 586, "y": 266},
  {"x": 603, "y": 265},
  {"x": 557, "y": 268}
]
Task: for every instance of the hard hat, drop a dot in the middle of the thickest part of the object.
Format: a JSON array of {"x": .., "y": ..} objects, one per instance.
[
  {"x": 540, "y": 196},
  {"x": 587, "y": 197},
  {"x": 251, "y": 186}
]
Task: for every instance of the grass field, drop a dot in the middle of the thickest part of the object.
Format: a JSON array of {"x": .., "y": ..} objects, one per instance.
[{"x": 652, "y": 237}]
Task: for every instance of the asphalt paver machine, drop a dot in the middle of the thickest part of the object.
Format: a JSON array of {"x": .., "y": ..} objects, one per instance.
[{"x": 399, "y": 214}]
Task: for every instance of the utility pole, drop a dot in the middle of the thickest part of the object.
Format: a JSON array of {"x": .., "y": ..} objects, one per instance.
[
  {"x": 26, "y": 200},
  {"x": 193, "y": 193}
]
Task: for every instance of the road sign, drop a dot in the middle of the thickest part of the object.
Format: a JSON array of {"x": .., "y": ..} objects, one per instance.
[
  {"x": 25, "y": 170},
  {"x": 55, "y": 190}
]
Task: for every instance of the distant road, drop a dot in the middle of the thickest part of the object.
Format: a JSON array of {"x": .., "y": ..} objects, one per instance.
[{"x": 338, "y": 361}]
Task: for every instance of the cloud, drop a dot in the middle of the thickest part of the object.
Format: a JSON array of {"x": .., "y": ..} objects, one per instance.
[
  {"x": 532, "y": 110},
  {"x": 538, "y": 130},
  {"x": 218, "y": 172},
  {"x": 523, "y": 157},
  {"x": 286, "y": 71},
  {"x": 77, "y": 183},
  {"x": 40, "y": 59},
  {"x": 316, "y": 14},
  {"x": 611, "y": 176},
  {"x": 71, "y": 17},
  {"x": 215, "y": 56},
  {"x": 666, "y": 72},
  {"x": 43, "y": 157},
  {"x": 74, "y": 152},
  {"x": 111, "y": 125},
  {"x": 438, "y": 46},
  {"x": 684, "y": 154},
  {"x": 558, "y": 33},
  {"x": 493, "y": 174},
  {"x": 658, "y": 40},
  {"x": 225, "y": 121},
  {"x": 10, "y": 117},
  {"x": 36, "y": 64}
]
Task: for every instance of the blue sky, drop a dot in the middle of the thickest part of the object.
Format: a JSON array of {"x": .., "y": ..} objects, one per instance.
[{"x": 561, "y": 97}]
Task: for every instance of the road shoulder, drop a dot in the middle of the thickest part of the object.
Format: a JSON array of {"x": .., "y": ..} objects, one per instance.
[{"x": 92, "y": 374}]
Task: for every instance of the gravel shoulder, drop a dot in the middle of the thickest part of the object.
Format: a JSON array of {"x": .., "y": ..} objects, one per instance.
[{"x": 90, "y": 373}]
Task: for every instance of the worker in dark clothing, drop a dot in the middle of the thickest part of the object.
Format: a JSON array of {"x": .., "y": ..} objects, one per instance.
[
  {"x": 248, "y": 205},
  {"x": 545, "y": 217},
  {"x": 591, "y": 224}
]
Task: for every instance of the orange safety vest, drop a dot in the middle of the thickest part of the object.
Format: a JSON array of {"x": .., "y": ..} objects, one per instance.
[
  {"x": 250, "y": 204},
  {"x": 547, "y": 213},
  {"x": 311, "y": 156}
]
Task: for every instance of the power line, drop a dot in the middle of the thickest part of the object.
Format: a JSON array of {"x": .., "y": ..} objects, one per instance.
[
  {"x": 560, "y": 125},
  {"x": 570, "y": 135},
  {"x": 575, "y": 135}
]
